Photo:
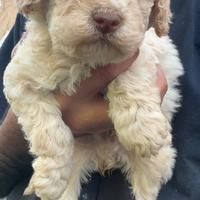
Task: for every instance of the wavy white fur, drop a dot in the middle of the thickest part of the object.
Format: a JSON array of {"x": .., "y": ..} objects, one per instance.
[{"x": 60, "y": 50}]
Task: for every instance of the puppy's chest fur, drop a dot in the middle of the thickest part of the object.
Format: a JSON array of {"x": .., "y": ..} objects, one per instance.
[{"x": 106, "y": 150}]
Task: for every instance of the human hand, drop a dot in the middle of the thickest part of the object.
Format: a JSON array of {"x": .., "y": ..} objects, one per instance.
[{"x": 86, "y": 111}]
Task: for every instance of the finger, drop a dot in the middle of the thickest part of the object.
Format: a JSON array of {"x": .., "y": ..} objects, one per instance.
[
  {"x": 162, "y": 82},
  {"x": 104, "y": 75}
]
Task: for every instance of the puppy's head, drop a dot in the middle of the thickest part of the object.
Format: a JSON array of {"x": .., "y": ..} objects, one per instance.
[{"x": 103, "y": 28}]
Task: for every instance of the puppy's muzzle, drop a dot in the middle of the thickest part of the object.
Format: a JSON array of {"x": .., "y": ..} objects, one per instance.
[{"x": 106, "y": 20}]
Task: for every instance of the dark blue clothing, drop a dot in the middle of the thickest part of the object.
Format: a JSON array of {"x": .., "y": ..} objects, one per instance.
[
  {"x": 5, "y": 54},
  {"x": 185, "y": 184},
  {"x": 185, "y": 32}
]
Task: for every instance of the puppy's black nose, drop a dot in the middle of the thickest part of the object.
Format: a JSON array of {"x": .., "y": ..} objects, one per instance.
[{"x": 106, "y": 22}]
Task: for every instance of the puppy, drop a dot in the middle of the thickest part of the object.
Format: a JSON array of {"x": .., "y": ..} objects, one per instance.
[{"x": 66, "y": 39}]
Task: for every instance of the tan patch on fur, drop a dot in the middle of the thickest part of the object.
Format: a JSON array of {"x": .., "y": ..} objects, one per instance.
[{"x": 161, "y": 17}]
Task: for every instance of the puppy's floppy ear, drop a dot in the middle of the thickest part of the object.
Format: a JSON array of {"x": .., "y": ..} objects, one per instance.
[
  {"x": 160, "y": 17},
  {"x": 31, "y": 7}
]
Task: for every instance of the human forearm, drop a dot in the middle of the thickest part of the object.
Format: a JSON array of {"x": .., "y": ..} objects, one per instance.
[{"x": 15, "y": 162}]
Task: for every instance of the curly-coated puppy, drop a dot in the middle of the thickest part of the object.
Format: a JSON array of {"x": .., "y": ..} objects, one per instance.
[{"x": 68, "y": 38}]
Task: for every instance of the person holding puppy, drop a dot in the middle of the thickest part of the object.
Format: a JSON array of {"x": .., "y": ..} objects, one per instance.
[{"x": 15, "y": 161}]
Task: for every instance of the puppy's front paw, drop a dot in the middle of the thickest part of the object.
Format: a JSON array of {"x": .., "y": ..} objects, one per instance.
[
  {"x": 49, "y": 180},
  {"x": 146, "y": 147},
  {"x": 45, "y": 188},
  {"x": 145, "y": 141},
  {"x": 142, "y": 145}
]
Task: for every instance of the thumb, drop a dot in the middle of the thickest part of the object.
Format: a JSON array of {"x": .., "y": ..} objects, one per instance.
[{"x": 162, "y": 82}]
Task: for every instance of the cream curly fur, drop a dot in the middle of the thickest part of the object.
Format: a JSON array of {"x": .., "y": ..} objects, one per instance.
[{"x": 61, "y": 48}]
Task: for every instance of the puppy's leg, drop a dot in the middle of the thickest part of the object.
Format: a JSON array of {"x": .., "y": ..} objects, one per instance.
[
  {"x": 148, "y": 174},
  {"x": 135, "y": 111},
  {"x": 50, "y": 140}
]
